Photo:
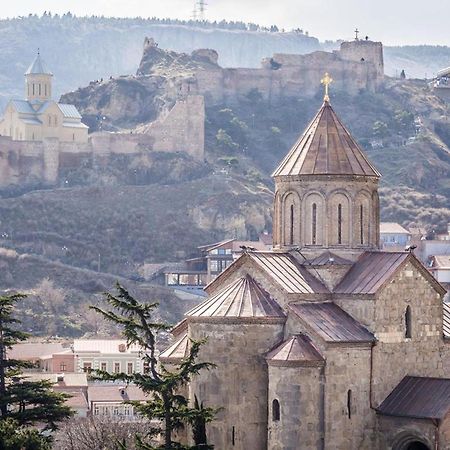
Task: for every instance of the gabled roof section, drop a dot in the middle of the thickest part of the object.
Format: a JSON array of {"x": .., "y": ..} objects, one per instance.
[
  {"x": 298, "y": 350},
  {"x": 326, "y": 148},
  {"x": 69, "y": 111},
  {"x": 418, "y": 397},
  {"x": 331, "y": 323},
  {"x": 177, "y": 351},
  {"x": 329, "y": 258},
  {"x": 286, "y": 271},
  {"x": 37, "y": 67},
  {"x": 373, "y": 270},
  {"x": 23, "y": 107},
  {"x": 243, "y": 298}
]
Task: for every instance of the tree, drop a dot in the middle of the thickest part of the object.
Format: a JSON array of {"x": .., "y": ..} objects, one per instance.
[
  {"x": 15, "y": 437},
  {"x": 380, "y": 129},
  {"x": 162, "y": 385},
  {"x": 25, "y": 402}
]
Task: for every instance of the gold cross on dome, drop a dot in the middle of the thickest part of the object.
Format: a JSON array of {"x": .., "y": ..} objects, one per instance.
[{"x": 326, "y": 81}]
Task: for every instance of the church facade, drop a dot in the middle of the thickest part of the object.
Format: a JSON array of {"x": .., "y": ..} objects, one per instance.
[
  {"x": 326, "y": 342},
  {"x": 39, "y": 117}
]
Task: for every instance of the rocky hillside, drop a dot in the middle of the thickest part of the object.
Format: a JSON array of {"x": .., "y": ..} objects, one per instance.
[{"x": 79, "y": 50}]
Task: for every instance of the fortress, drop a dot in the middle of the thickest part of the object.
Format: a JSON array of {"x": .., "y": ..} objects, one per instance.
[{"x": 41, "y": 139}]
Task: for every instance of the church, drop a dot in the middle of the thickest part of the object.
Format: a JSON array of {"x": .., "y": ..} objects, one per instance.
[
  {"x": 39, "y": 117},
  {"x": 326, "y": 342}
]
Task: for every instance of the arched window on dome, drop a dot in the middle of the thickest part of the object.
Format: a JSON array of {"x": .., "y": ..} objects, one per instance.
[
  {"x": 339, "y": 223},
  {"x": 408, "y": 327},
  {"x": 361, "y": 224},
  {"x": 314, "y": 224},
  {"x": 275, "y": 410},
  {"x": 291, "y": 225}
]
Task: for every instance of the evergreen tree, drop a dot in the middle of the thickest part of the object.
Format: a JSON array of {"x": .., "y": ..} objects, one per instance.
[
  {"x": 162, "y": 385},
  {"x": 23, "y": 402}
]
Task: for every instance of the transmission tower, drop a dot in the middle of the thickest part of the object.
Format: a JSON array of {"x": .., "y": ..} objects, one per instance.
[{"x": 201, "y": 9}]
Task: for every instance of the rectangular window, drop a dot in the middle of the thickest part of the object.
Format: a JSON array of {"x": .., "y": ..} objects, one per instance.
[
  {"x": 87, "y": 367},
  {"x": 214, "y": 265},
  {"x": 129, "y": 368},
  {"x": 172, "y": 279},
  {"x": 103, "y": 367},
  {"x": 96, "y": 410},
  {"x": 117, "y": 367},
  {"x": 62, "y": 367}
]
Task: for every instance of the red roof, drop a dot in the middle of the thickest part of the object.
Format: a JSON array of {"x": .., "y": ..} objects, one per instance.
[
  {"x": 331, "y": 323},
  {"x": 418, "y": 397},
  {"x": 298, "y": 350},
  {"x": 326, "y": 148}
]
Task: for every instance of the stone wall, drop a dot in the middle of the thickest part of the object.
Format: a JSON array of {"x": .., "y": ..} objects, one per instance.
[
  {"x": 239, "y": 382},
  {"x": 180, "y": 130}
]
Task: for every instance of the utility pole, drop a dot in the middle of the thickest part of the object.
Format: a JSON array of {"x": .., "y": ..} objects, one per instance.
[{"x": 201, "y": 9}]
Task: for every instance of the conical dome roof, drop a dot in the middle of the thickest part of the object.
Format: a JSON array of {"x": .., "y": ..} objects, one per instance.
[
  {"x": 297, "y": 350},
  {"x": 243, "y": 298},
  {"x": 37, "y": 67},
  {"x": 326, "y": 148}
]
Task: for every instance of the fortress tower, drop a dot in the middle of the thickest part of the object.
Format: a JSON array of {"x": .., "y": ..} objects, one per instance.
[{"x": 326, "y": 191}]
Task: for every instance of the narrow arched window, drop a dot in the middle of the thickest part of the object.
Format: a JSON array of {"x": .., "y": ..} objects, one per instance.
[
  {"x": 275, "y": 410},
  {"x": 45, "y": 89},
  {"x": 361, "y": 224},
  {"x": 39, "y": 88},
  {"x": 339, "y": 224},
  {"x": 314, "y": 223},
  {"x": 33, "y": 88},
  {"x": 408, "y": 322},
  {"x": 291, "y": 226},
  {"x": 349, "y": 403}
]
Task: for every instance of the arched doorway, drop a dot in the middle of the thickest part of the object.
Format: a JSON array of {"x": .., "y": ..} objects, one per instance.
[{"x": 410, "y": 441}]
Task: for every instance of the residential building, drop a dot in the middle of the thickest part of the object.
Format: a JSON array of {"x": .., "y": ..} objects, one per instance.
[{"x": 393, "y": 236}]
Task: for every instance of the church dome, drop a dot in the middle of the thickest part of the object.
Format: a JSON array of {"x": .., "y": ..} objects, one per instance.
[{"x": 326, "y": 148}]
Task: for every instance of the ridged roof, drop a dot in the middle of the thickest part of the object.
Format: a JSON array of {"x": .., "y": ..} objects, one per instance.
[
  {"x": 37, "y": 67},
  {"x": 243, "y": 298},
  {"x": 177, "y": 351},
  {"x": 326, "y": 148},
  {"x": 297, "y": 350}
]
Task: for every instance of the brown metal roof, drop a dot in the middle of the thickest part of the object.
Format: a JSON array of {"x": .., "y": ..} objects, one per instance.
[
  {"x": 446, "y": 320},
  {"x": 327, "y": 258},
  {"x": 288, "y": 272},
  {"x": 180, "y": 327},
  {"x": 177, "y": 351},
  {"x": 417, "y": 397},
  {"x": 331, "y": 322},
  {"x": 243, "y": 298},
  {"x": 298, "y": 349},
  {"x": 370, "y": 272},
  {"x": 326, "y": 148}
]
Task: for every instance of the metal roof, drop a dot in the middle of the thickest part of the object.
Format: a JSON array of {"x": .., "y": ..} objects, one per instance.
[
  {"x": 288, "y": 272},
  {"x": 23, "y": 107},
  {"x": 177, "y": 351},
  {"x": 441, "y": 262},
  {"x": 392, "y": 227},
  {"x": 297, "y": 349},
  {"x": 326, "y": 148},
  {"x": 243, "y": 298},
  {"x": 418, "y": 397},
  {"x": 446, "y": 320},
  {"x": 370, "y": 272},
  {"x": 37, "y": 67},
  {"x": 106, "y": 346},
  {"x": 69, "y": 111},
  {"x": 331, "y": 323},
  {"x": 116, "y": 393},
  {"x": 328, "y": 258}
]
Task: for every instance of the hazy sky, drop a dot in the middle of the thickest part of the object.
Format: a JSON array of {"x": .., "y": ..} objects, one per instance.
[{"x": 391, "y": 21}]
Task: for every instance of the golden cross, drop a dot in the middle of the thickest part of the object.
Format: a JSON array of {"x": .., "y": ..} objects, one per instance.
[{"x": 326, "y": 81}]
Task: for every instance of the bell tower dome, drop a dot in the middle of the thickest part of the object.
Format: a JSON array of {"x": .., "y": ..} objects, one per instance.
[
  {"x": 326, "y": 191},
  {"x": 38, "y": 81}
]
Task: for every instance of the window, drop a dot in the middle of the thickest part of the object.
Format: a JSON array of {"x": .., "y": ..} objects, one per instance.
[
  {"x": 96, "y": 410},
  {"x": 116, "y": 411},
  {"x": 361, "y": 224},
  {"x": 172, "y": 279},
  {"x": 49, "y": 121},
  {"x": 116, "y": 367},
  {"x": 339, "y": 224},
  {"x": 349, "y": 403},
  {"x": 291, "y": 226},
  {"x": 73, "y": 136},
  {"x": 222, "y": 251},
  {"x": 87, "y": 367},
  {"x": 275, "y": 410},
  {"x": 408, "y": 322},
  {"x": 62, "y": 367},
  {"x": 314, "y": 223},
  {"x": 103, "y": 367},
  {"x": 39, "y": 88},
  {"x": 45, "y": 88},
  {"x": 129, "y": 368},
  {"x": 214, "y": 265},
  {"x": 33, "y": 88},
  {"x": 233, "y": 436}
]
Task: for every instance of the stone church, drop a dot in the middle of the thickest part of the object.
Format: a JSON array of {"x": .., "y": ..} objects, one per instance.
[
  {"x": 326, "y": 342},
  {"x": 39, "y": 117}
]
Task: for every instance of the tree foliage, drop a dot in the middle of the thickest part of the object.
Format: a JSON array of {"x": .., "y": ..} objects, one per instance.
[
  {"x": 166, "y": 404},
  {"x": 23, "y": 403}
]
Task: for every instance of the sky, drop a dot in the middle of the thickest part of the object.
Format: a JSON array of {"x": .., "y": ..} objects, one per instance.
[{"x": 394, "y": 22}]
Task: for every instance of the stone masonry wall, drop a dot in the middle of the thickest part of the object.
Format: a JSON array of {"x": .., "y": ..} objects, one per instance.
[{"x": 239, "y": 383}]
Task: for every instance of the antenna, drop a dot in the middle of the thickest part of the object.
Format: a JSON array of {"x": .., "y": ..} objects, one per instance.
[{"x": 201, "y": 9}]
